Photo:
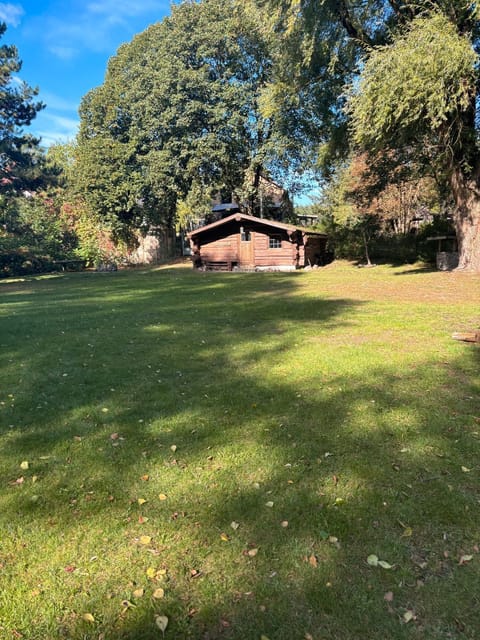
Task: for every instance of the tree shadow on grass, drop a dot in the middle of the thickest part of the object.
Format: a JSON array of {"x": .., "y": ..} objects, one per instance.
[{"x": 355, "y": 463}]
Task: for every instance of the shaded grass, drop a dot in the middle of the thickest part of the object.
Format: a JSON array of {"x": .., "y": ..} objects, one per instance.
[{"x": 338, "y": 395}]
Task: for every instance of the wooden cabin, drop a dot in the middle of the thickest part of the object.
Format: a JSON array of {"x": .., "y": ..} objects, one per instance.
[{"x": 246, "y": 242}]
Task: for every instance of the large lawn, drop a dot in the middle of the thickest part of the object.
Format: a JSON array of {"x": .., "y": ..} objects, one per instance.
[{"x": 228, "y": 450}]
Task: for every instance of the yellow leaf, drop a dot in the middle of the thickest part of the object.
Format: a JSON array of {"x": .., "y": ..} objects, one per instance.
[
  {"x": 141, "y": 501},
  {"x": 161, "y": 622},
  {"x": 173, "y": 447},
  {"x": 150, "y": 572},
  {"x": 24, "y": 465},
  {"x": 252, "y": 552},
  {"x": 408, "y": 616},
  {"x": 145, "y": 540},
  {"x": 407, "y": 532},
  {"x": 464, "y": 469},
  {"x": 138, "y": 593},
  {"x": 158, "y": 593},
  {"x": 162, "y": 496},
  {"x": 88, "y": 617},
  {"x": 269, "y": 504},
  {"x": 224, "y": 537}
]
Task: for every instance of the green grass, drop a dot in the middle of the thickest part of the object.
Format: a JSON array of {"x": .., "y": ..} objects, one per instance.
[{"x": 338, "y": 395}]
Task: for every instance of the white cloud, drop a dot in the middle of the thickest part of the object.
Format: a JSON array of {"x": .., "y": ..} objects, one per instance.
[
  {"x": 125, "y": 7},
  {"x": 57, "y": 103},
  {"x": 98, "y": 27},
  {"x": 11, "y": 13},
  {"x": 64, "y": 53},
  {"x": 54, "y": 129}
]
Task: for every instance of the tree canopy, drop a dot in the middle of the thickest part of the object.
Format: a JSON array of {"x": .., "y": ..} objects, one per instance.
[
  {"x": 179, "y": 113},
  {"x": 18, "y": 157},
  {"x": 410, "y": 73}
]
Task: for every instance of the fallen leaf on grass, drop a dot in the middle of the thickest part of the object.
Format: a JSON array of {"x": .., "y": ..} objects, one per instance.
[
  {"x": 234, "y": 525},
  {"x": 224, "y": 537},
  {"x": 141, "y": 501},
  {"x": 252, "y": 552},
  {"x": 173, "y": 448},
  {"x": 388, "y": 597},
  {"x": 373, "y": 561},
  {"x": 138, "y": 593},
  {"x": 145, "y": 477},
  {"x": 114, "y": 436},
  {"x": 145, "y": 540},
  {"x": 158, "y": 594},
  {"x": 162, "y": 496},
  {"x": 408, "y": 616},
  {"x": 88, "y": 617},
  {"x": 150, "y": 572},
  {"x": 24, "y": 465},
  {"x": 269, "y": 504},
  {"x": 161, "y": 622},
  {"x": 465, "y": 559},
  {"x": 142, "y": 520},
  {"x": 465, "y": 469},
  {"x": 284, "y": 524},
  {"x": 313, "y": 561}
]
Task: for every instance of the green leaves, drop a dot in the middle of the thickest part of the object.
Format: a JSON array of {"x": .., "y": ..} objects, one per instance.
[{"x": 415, "y": 84}]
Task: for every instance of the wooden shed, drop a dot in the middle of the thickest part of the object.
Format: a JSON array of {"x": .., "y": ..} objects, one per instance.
[{"x": 246, "y": 242}]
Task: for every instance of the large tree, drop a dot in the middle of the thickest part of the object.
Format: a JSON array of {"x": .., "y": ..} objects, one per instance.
[
  {"x": 178, "y": 113},
  {"x": 414, "y": 72}
]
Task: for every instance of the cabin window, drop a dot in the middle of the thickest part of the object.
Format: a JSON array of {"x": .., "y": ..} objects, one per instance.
[
  {"x": 274, "y": 242},
  {"x": 245, "y": 235}
]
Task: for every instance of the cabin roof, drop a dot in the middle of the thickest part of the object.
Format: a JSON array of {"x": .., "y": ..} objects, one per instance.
[{"x": 243, "y": 217}]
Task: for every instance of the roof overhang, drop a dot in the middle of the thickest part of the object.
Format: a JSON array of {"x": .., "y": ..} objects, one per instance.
[{"x": 243, "y": 217}]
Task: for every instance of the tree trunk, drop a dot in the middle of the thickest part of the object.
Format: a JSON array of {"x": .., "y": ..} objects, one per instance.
[{"x": 467, "y": 221}]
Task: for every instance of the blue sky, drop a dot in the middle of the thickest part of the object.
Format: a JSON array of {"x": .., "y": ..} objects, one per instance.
[{"x": 65, "y": 46}]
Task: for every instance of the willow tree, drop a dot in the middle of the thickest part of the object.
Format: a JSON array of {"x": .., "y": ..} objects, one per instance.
[{"x": 414, "y": 72}]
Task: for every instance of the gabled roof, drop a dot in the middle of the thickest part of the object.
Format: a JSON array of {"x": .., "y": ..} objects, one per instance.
[{"x": 243, "y": 217}]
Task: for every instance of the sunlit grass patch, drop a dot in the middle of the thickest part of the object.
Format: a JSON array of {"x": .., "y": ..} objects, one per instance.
[{"x": 243, "y": 442}]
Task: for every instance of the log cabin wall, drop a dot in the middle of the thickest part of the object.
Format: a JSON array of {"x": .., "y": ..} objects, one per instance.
[
  {"x": 220, "y": 245},
  {"x": 283, "y": 255},
  {"x": 249, "y": 242}
]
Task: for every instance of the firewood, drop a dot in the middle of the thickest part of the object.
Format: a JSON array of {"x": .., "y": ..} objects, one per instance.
[{"x": 469, "y": 336}]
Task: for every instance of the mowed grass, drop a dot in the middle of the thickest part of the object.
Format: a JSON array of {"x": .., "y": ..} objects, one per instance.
[{"x": 227, "y": 450}]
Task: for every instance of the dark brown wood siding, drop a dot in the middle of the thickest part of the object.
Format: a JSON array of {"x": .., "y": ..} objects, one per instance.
[
  {"x": 223, "y": 242},
  {"x": 284, "y": 256},
  {"x": 221, "y": 249}
]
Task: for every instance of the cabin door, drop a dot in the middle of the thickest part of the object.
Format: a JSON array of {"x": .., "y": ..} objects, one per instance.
[{"x": 246, "y": 248}]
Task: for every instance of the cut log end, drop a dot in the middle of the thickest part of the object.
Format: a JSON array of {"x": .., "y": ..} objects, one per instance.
[{"x": 468, "y": 336}]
